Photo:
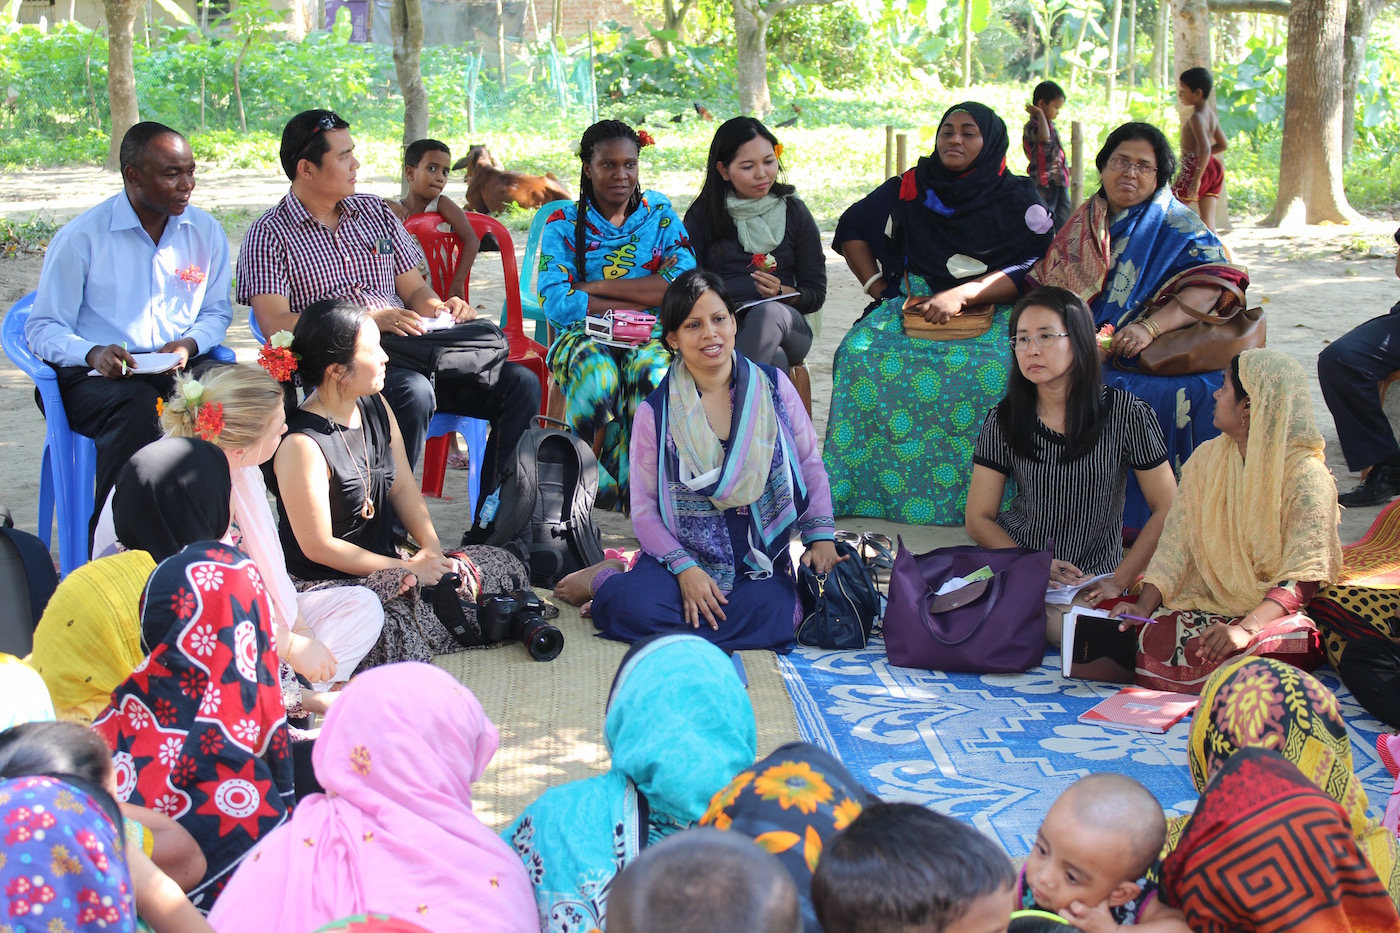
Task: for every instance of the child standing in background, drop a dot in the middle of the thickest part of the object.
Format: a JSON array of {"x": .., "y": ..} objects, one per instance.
[
  {"x": 1202, "y": 177},
  {"x": 1041, "y": 142},
  {"x": 426, "y": 166}
]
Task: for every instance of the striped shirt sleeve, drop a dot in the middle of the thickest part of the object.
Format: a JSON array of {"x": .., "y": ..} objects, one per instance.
[
  {"x": 991, "y": 449},
  {"x": 1143, "y": 446}
]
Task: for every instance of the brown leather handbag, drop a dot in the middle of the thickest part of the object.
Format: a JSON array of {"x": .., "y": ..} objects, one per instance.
[
  {"x": 970, "y": 322},
  {"x": 1210, "y": 343}
]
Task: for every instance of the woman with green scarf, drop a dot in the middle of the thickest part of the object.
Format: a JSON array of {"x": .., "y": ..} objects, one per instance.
[
  {"x": 678, "y": 726},
  {"x": 748, "y": 228}
]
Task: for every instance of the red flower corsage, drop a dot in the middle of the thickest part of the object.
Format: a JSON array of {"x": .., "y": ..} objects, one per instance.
[
  {"x": 763, "y": 261},
  {"x": 646, "y": 138},
  {"x": 209, "y": 423},
  {"x": 277, "y": 358},
  {"x": 1104, "y": 336},
  {"x": 191, "y": 275}
]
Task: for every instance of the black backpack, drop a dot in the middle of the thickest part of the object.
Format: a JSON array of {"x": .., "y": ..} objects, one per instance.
[
  {"x": 544, "y": 508},
  {"x": 27, "y": 579}
]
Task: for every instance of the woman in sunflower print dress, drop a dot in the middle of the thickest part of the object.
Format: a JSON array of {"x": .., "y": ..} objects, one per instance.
[
  {"x": 797, "y": 798},
  {"x": 618, "y": 248},
  {"x": 678, "y": 727}
]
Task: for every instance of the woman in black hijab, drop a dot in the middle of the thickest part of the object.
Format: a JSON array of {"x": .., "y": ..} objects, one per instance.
[
  {"x": 957, "y": 231},
  {"x": 173, "y": 492}
]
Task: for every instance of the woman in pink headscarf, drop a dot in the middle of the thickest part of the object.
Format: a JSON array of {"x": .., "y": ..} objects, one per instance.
[{"x": 394, "y": 832}]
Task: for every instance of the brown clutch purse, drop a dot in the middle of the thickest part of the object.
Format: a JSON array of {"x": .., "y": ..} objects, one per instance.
[{"x": 971, "y": 322}]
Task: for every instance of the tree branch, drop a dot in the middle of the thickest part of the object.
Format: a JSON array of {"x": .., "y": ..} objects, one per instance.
[
  {"x": 1270, "y": 7},
  {"x": 775, "y": 7}
]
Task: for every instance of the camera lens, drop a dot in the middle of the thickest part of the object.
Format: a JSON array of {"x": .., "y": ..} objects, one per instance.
[{"x": 542, "y": 640}]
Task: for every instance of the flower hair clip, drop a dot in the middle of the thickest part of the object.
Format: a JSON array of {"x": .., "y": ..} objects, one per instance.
[
  {"x": 777, "y": 150},
  {"x": 645, "y": 138},
  {"x": 209, "y": 423},
  {"x": 277, "y": 358}
]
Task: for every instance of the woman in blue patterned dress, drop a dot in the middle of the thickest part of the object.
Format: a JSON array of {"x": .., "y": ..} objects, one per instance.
[
  {"x": 618, "y": 248},
  {"x": 962, "y": 231}
]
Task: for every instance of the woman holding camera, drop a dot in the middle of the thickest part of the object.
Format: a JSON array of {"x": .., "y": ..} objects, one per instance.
[
  {"x": 726, "y": 470},
  {"x": 342, "y": 480}
]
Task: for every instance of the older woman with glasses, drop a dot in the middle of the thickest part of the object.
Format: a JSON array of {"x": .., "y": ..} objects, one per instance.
[
  {"x": 1128, "y": 251},
  {"x": 1070, "y": 443}
]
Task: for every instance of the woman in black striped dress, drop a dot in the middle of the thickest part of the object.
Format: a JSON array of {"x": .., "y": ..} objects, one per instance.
[{"x": 1068, "y": 442}]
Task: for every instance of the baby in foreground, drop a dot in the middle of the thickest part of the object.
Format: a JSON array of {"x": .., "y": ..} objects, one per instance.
[{"x": 1092, "y": 855}]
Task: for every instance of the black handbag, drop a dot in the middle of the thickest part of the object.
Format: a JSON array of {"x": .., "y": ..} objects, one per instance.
[
  {"x": 839, "y": 608},
  {"x": 472, "y": 352}
]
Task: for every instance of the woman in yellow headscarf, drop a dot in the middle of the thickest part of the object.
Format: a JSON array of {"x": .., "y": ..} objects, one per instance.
[
  {"x": 1263, "y": 703},
  {"x": 89, "y": 639},
  {"x": 1250, "y": 538}
]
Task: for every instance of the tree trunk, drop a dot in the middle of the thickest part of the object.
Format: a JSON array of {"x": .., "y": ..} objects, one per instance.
[
  {"x": 1191, "y": 35},
  {"x": 1078, "y": 50},
  {"x": 751, "y": 34},
  {"x": 1360, "y": 15},
  {"x": 1310, "y": 172},
  {"x": 406, "y": 23},
  {"x": 299, "y": 20},
  {"x": 967, "y": 43},
  {"x": 121, "y": 74},
  {"x": 1132, "y": 51},
  {"x": 238, "y": 84},
  {"x": 1115, "y": 22},
  {"x": 500, "y": 40},
  {"x": 1159, "y": 43}
]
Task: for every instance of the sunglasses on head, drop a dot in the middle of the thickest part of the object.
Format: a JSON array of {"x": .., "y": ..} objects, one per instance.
[{"x": 329, "y": 120}]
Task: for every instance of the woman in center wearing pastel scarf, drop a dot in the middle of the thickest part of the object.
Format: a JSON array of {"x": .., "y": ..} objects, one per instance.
[
  {"x": 394, "y": 832},
  {"x": 726, "y": 470},
  {"x": 679, "y": 727}
]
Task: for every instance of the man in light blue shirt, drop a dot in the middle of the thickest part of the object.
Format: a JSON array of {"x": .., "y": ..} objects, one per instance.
[{"x": 140, "y": 272}]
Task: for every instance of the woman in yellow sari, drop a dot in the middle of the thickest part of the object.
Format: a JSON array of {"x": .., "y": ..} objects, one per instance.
[{"x": 1250, "y": 538}]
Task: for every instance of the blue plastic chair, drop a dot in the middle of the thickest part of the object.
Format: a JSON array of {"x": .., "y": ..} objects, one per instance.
[
  {"x": 68, "y": 472},
  {"x": 474, "y": 431},
  {"x": 530, "y": 307},
  {"x": 69, "y": 468}
]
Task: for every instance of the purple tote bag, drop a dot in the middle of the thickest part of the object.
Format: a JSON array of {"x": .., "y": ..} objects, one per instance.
[{"x": 995, "y": 626}]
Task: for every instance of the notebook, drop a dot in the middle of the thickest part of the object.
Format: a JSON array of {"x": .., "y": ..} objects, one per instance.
[
  {"x": 758, "y": 301},
  {"x": 1092, "y": 648},
  {"x": 149, "y": 364},
  {"x": 1141, "y": 710}
]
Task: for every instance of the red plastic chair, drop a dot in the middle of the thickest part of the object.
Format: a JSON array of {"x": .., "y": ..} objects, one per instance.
[{"x": 442, "y": 249}]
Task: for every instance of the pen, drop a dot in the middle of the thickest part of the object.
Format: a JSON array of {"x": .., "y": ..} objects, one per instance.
[
  {"x": 1136, "y": 618},
  {"x": 123, "y": 361}
]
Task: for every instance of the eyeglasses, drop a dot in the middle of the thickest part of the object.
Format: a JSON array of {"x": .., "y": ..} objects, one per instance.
[
  {"x": 1040, "y": 340},
  {"x": 1129, "y": 167}
]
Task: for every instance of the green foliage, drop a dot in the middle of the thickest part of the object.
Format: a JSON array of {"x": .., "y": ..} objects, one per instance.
[
  {"x": 30, "y": 236},
  {"x": 1250, "y": 94},
  {"x": 629, "y": 64}
]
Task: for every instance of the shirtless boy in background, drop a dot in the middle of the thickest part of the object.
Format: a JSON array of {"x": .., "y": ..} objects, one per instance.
[{"x": 1202, "y": 176}]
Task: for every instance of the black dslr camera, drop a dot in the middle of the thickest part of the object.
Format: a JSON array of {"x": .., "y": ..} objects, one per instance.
[{"x": 519, "y": 616}]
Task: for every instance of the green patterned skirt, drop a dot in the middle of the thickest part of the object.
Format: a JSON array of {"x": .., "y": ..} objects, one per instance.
[{"x": 905, "y": 415}]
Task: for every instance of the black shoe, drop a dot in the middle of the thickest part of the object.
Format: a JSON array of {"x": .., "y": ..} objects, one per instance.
[{"x": 1380, "y": 486}]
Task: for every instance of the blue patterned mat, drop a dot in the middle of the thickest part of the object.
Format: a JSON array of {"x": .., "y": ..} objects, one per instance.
[{"x": 997, "y": 749}]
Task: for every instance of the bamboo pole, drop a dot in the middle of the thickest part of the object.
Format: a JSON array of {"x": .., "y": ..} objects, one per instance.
[
  {"x": 1076, "y": 169},
  {"x": 889, "y": 150},
  {"x": 901, "y": 145}
]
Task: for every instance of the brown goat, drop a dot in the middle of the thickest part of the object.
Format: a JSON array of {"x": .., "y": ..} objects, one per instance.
[{"x": 490, "y": 187}]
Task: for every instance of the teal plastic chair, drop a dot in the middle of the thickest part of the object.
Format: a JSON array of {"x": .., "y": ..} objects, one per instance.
[{"x": 530, "y": 307}]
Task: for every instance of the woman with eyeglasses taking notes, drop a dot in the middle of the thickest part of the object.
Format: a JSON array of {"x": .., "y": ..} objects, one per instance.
[
  {"x": 1070, "y": 443},
  {"x": 1128, "y": 251}
]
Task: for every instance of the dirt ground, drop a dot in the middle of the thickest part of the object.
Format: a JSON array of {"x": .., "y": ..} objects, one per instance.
[{"x": 1315, "y": 283}]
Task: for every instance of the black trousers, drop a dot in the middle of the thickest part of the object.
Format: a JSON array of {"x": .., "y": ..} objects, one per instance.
[
  {"x": 1350, "y": 370},
  {"x": 118, "y": 414},
  {"x": 510, "y": 407}
]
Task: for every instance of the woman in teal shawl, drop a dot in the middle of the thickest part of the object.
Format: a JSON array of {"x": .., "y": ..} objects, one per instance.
[{"x": 679, "y": 726}]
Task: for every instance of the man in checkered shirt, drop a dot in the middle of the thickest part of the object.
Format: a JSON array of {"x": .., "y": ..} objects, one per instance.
[{"x": 325, "y": 241}]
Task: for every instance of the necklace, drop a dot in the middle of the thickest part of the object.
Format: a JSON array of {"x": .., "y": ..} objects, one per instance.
[{"x": 367, "y": 507}]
